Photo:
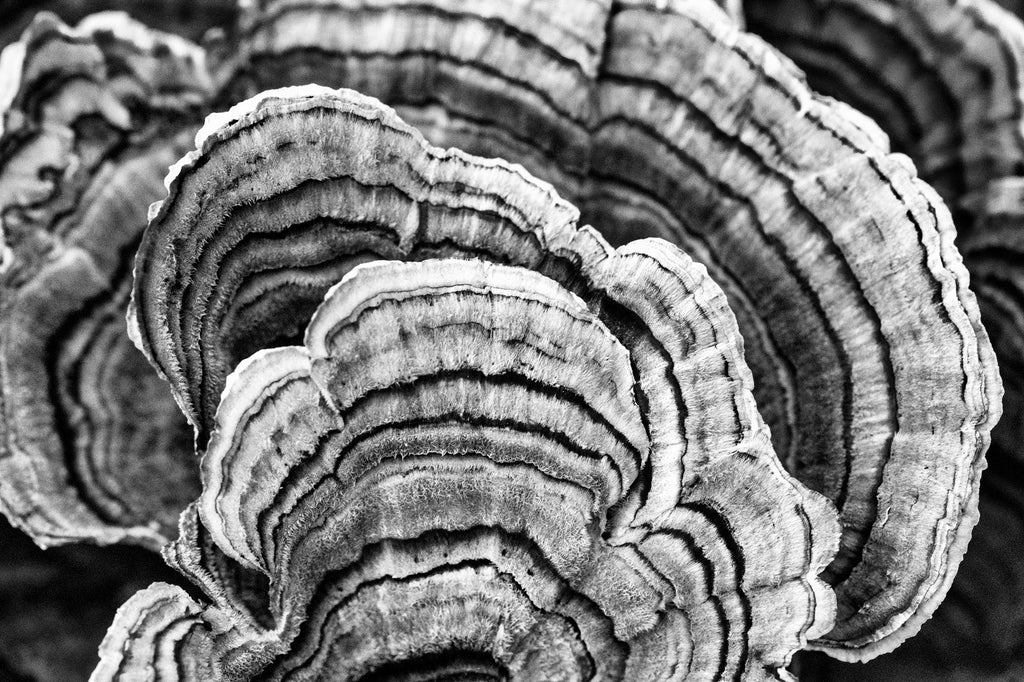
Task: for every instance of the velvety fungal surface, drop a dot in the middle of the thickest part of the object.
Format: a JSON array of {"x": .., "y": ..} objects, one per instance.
[
  {"x": 630, "y": 390},
  {"x": 92, "y": 446},
  {"x": 545, "y": 466},
  {"x": 663, "y": 119},
  {"x": 188, "y": 18},
  {"x": 943, "y": 79}
]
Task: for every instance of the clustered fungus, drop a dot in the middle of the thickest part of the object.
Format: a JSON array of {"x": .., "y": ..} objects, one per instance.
[
  {"x": 567, "y": 411},
  {"x": 408, "y": 419},
  {"x": 631, "y": 111},
  {"x": 94, "y": 448},
  {"x": 942, "y": 79}
]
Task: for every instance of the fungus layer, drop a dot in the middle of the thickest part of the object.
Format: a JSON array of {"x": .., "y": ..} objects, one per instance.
[
  {"x": 976, "y": 633},
  {"x": 871, "y": 366},
  {"x": 91, "y": 443},
  {"x": 468, "y": 470},
  {"x": 943, "y": 79},
  {"x": 660, "y": 118}
]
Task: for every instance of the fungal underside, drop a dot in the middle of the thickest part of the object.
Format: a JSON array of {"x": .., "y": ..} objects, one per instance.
[{"x": 92, "y": 446}]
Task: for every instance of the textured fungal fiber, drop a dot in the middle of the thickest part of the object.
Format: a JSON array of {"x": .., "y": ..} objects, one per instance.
[
  {"x": 499, "y": 435},
  {"x": 662, "y": 119},
  {"x": 549, "y": 466},
  {"x": 92, "y": 446}
]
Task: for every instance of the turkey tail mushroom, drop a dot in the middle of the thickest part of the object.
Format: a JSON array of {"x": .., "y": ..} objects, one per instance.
[
  {"x": 91, "y": 444},
  {"x": 976, "y": 632},
  {"x": 286, "y": 193},
  {"x": 547, "y": 466},
  {"x": 871, "y": 365},
  {"x": 658, "y": 118},
  {"x": 498, "y": 79},
  {"x": 870, "y": 362},
  {"x": 943, "y": 79}
]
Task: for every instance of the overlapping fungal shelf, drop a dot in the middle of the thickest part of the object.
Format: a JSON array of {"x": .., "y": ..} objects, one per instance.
[
  {"x": 944, "y": 81},
  {"x": 501, "y": 447},
  {"x": 988, "y": 630},
  {"x": 510, "y": 80},
  {"x": 463, "y": 508},
  {"x": 672, "y": 123},
  {"x": 835, "y": 219},
  {"x": 975, "y": 633},
  {"x": 870, "y": 363},
  {"x": 277, "y": 204},
  {"x": 545, "y": 466},
  {"x": 92, "y": 446}
]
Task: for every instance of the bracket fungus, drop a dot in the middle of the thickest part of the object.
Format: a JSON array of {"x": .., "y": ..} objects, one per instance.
[
  {"x": 92, "y": 446},
  {"x": 188, "y": 18},
  {"x": 976, "y": 633},
  {"x": 867, "y": 358},
  {"x": 943, "y": 79},
  {"x": 662, "y": 118},
  {"x": 545, "y": 466},
  {"x": 510, "y": 80},
  {"x": 866, "y": 343}
]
